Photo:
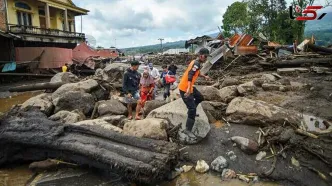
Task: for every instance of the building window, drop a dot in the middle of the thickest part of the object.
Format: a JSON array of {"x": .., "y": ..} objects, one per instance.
[
  {"x": 22, "y": 5},
  {"x": 24, "y": 18}
]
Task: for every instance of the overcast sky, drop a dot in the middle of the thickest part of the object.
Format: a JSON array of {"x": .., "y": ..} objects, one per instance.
[{"x": 141, "y": 22}]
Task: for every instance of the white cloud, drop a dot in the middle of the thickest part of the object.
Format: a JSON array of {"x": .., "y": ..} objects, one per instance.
[{"x": 137, "y": 22}]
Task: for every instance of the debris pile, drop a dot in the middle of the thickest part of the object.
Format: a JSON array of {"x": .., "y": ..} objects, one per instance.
[{"x": 167, "y": 59}]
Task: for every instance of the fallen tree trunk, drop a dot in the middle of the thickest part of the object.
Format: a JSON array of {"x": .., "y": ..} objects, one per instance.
[
  {"x": 320, "y": 49},
  {"x": 138, "y": 159},
  {"x": 302, "y": 61},
  {"x": 37, "y": 86}
]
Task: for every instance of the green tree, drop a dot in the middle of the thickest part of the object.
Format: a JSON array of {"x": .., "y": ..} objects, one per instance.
[{"x": 235, "y": 19}]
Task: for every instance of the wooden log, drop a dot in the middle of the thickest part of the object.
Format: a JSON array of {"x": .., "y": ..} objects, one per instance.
[
  {"x": 302, "y": 61},
  {"x": 37, "y": 86},
  {"x": 26, "y": 74},
  {"x": 138, "y": 159},
  {"x": 320, "y": 49}
]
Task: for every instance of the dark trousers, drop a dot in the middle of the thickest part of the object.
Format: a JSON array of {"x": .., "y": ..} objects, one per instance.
[
  {"x": 192, "y": 101},
  {"x": 167, "y": 88}
]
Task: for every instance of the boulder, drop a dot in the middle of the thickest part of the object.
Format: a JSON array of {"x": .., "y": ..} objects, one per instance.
[
  {"x": 67, "y": 117},
  {"x": 202, "y": 166},
  {"x": 219, "y": 164},
  {"x": 209, "y": 93},
  {"x": 247, "y": 88},
  {"x": 101, "y": 123},
  {"x": 148, "y": 128},
  {"x": 113, "y": 107},
  {"x": 268, "y": 78},
  {"x": 229, "y": 82},
  {"x": 116, "y": 120},
  {"x": 246, "y": 145},
  {"x": 284, "y": 81},
  {"x": 74, "y": 100},
  {"x": 64, "y": 77},
  {"x": 42, "y": 101},
  {"x": 254, "y": 112},
  {"x": 114, "y": 72},
  {"x": 216, "y": 109},
  {"x": 176, "y": 113},
  {"x": 153, "y": 104},
  {"x": 228, "y": 93},
  {"x": 85, "y": 86}
]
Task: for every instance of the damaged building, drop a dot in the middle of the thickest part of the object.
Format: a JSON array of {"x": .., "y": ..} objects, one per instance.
[{"x": 34, "y": 32}]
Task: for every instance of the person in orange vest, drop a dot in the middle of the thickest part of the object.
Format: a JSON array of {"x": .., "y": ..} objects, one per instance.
[{"x": 189, "y": 94}]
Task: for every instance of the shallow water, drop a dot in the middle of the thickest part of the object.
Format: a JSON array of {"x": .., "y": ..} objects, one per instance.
[
  {"x": 17, "y": 176},
  {"x": 7, "y": 103}
]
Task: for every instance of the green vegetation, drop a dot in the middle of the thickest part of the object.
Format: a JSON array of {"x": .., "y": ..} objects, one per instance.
[{"x": 270, "y": 17}]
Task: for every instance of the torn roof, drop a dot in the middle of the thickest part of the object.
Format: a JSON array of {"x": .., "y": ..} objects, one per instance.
[{"x": 198, "y": 40}]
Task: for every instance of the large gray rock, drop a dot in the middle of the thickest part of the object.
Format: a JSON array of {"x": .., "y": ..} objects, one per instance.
[
  {"x": 64, "y": 77},
  {"x": 67, "y": 117},
  {"x": 113, "y": 107},
  {"x": 101, "y": 123},
  {"x": 247, "y": 111},
  {"x": 268, "y": 78},
  {"x": 228, "y": 93},
  {"x": 87, "y": 86},
  {"x": 247, "y": 88},
  {"x": 116, "y": 120},
  {"x": 229, "y": 82},
  {"x": 216, "y": 109},
  {"x": 209, "y": 93},
  {"x": 219, "y": 164},
  {"x": 148, "y": 128},
  {"x": 153, "y": 104},
  {"x": 43, "y": 101},
  {"x": 114, "y": 72},
  {"x": 74, "y": 100},
  {"x": 176, "y": 113}
]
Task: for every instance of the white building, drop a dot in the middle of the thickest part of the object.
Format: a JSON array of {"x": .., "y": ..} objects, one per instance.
[{"x": 176, "y": 51}]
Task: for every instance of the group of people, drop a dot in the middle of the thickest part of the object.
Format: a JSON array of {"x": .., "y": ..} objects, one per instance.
[{"x": 143, "y": 87}]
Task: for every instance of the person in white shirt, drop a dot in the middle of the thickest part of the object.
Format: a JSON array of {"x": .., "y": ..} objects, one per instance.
[{"x": 154, "y": 73}]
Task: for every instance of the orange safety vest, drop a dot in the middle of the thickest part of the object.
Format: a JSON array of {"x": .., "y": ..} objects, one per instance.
[{"x": 183, "y": 85}]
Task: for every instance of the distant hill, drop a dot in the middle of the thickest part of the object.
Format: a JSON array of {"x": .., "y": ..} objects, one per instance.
[
  {"x": 156, "y": 48},
  {"x": 153, "y": 48}
]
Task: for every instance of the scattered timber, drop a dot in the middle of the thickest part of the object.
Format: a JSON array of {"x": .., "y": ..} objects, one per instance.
[
  {"x": 37, "y": 86},
  {"x": 30, "y": 136},
  {"x": 302, "y": 61}
]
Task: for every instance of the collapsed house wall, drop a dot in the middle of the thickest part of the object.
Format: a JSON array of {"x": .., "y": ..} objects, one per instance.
[{"x": 48, "y": 57}]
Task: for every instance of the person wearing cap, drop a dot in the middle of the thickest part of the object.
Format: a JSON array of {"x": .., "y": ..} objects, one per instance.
[
  {"x": 154, "y": 73},
  {"x": 130, "y": 86},
  {"x": 189, "y": 94}
]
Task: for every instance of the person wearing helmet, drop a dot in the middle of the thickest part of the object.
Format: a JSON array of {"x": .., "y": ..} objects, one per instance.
[{"x": 189, "y": 94}]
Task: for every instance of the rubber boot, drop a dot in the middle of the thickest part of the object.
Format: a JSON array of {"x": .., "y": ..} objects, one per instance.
[{"x": 190, "y": 124}]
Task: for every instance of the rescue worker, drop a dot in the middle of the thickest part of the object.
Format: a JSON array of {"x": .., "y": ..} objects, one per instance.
[
  {"x": 130, "y": 86},
  {"x": 65, "y": 68},
  {"x": 189, "y": 94}
]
